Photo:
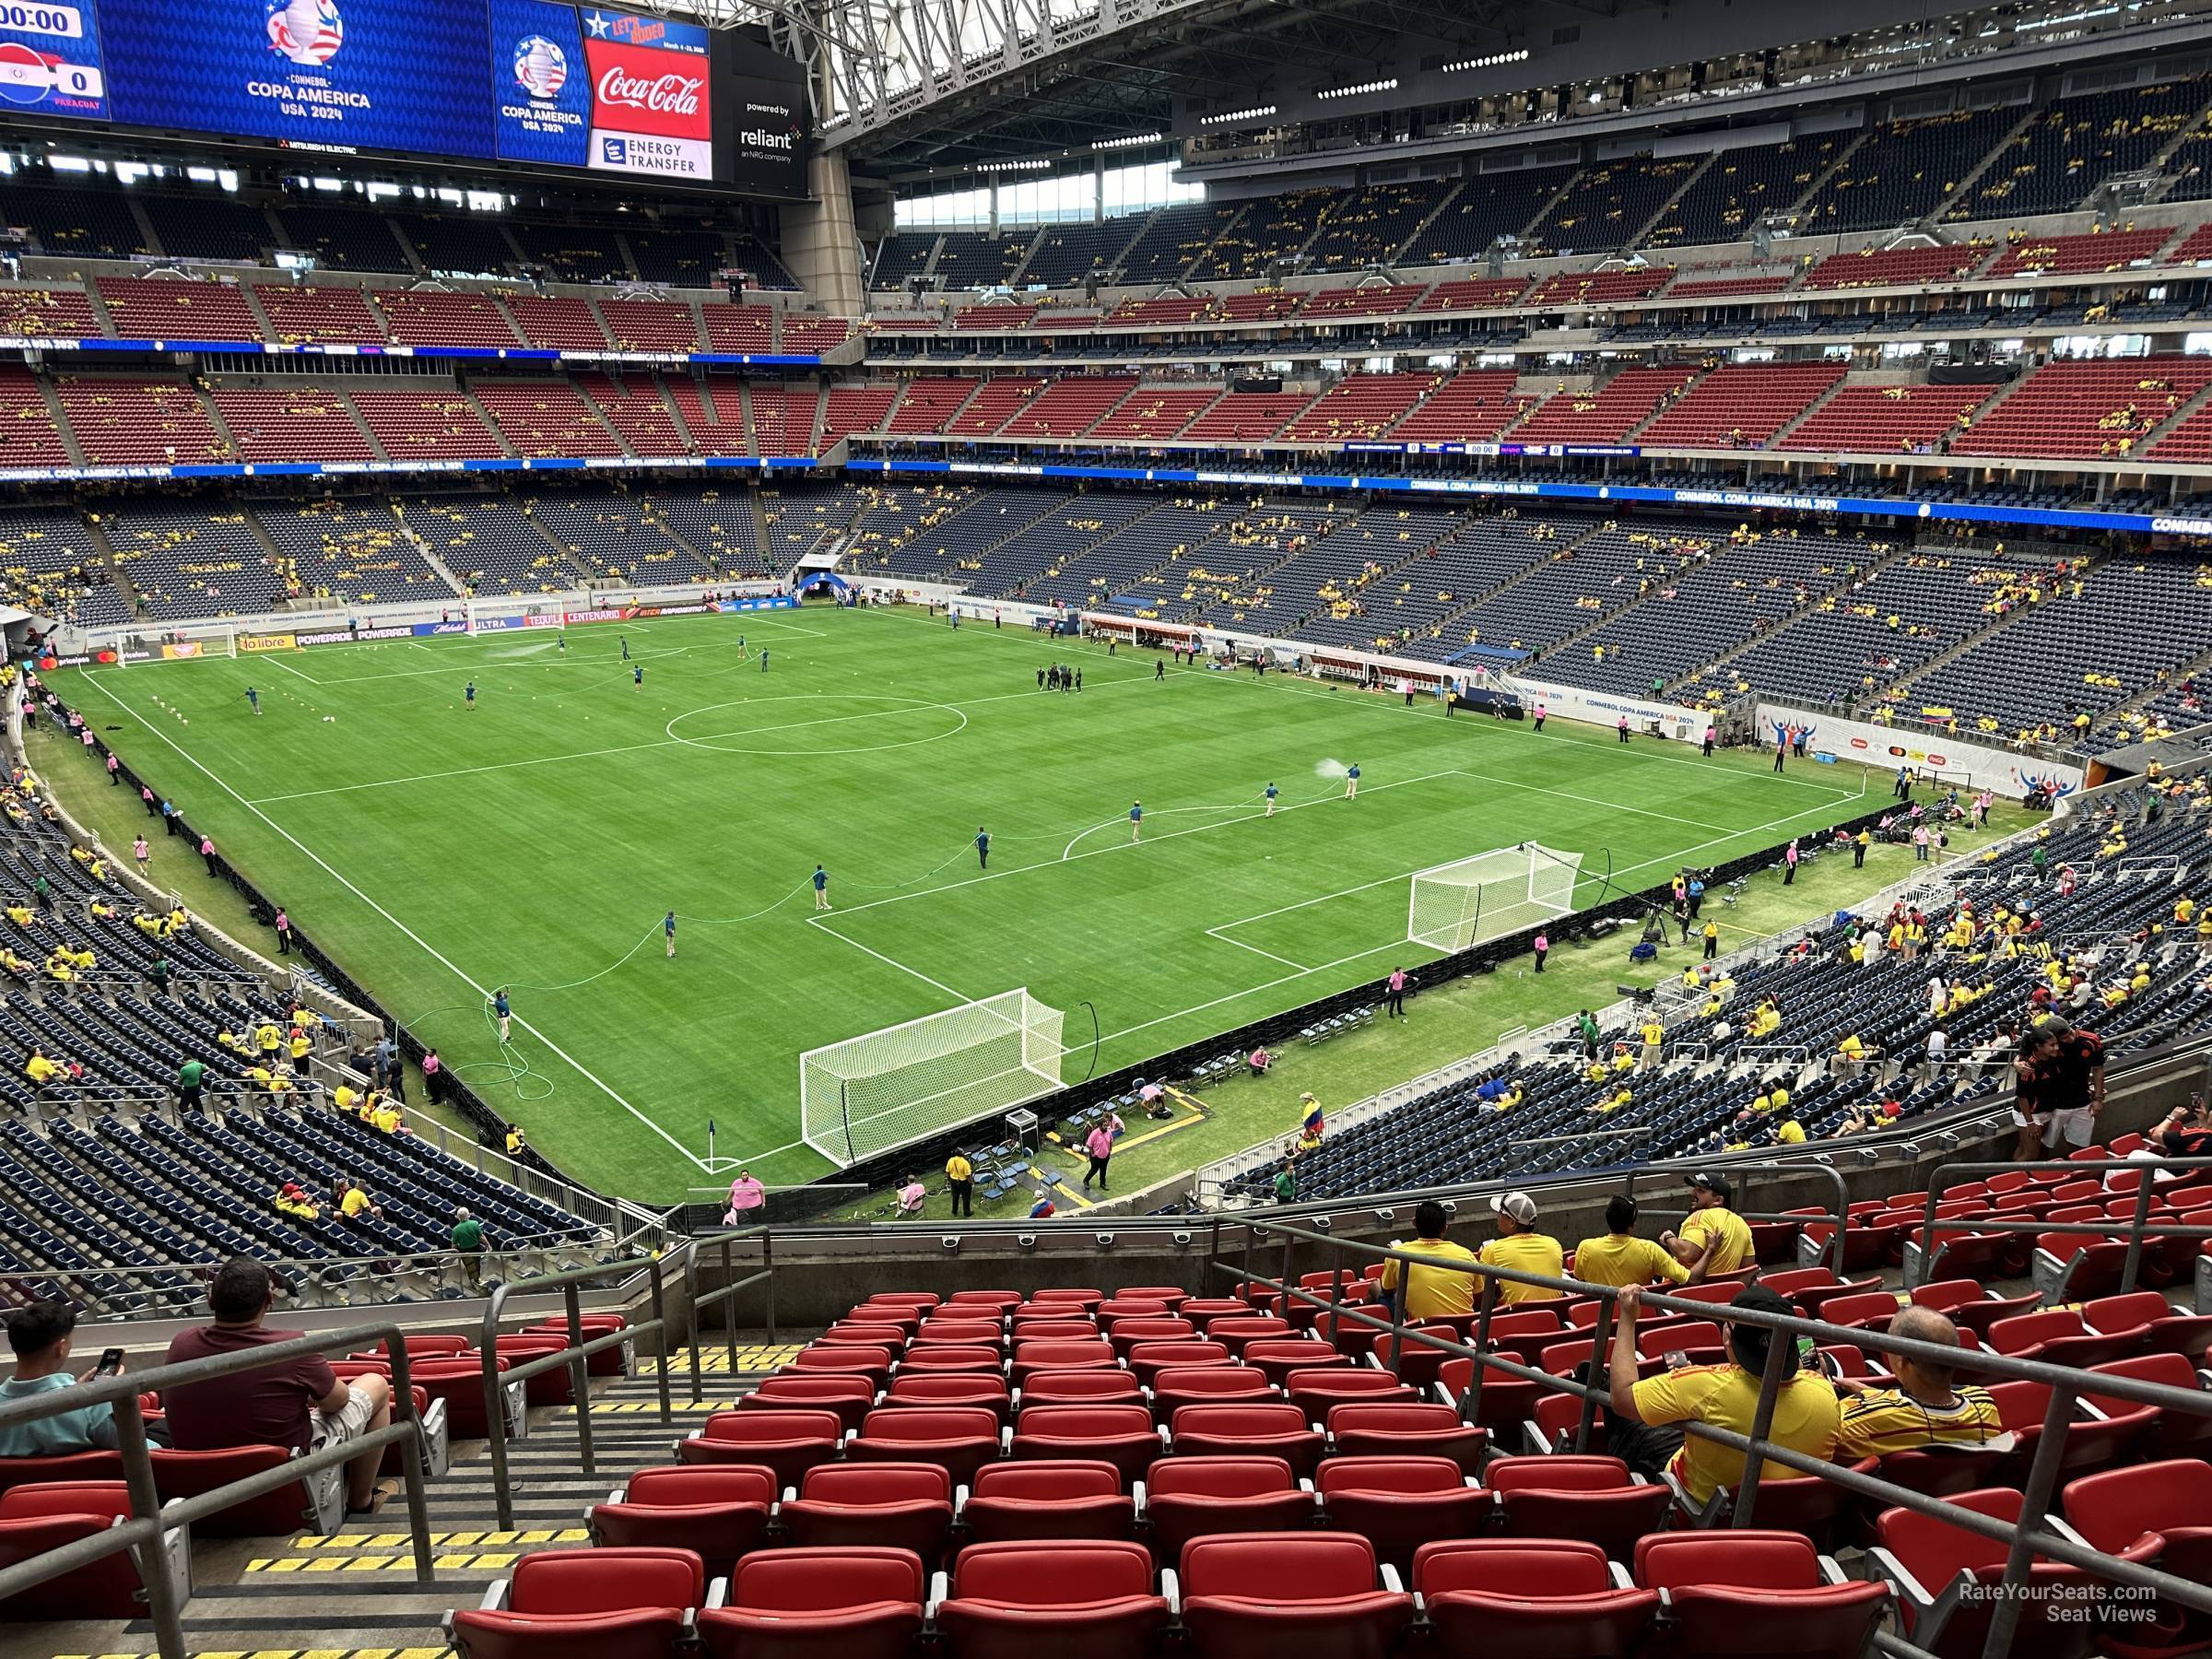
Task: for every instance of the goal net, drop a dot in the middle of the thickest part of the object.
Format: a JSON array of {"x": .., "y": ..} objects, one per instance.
[
  {"x": 869, "y": 1094},
  {"x": 1491, "y": 894}
]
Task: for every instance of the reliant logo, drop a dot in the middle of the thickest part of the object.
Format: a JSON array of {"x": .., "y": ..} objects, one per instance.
[
  {"x": 766, "y": 140},
  {"x": 666, "y": 94}
]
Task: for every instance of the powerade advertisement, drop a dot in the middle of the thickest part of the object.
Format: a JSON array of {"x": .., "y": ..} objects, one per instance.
[{"x": 535, "y": 82}]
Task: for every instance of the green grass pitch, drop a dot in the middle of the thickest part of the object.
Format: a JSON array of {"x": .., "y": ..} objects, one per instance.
[{"x": 536, "y": 841}]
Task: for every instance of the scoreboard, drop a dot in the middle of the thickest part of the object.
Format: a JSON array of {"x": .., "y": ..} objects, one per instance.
[{"x": 538, "y": 83}]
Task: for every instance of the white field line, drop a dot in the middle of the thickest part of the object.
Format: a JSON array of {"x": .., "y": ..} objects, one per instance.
[
  {"x": 277, "y": 662},
  {"x": 432, "y": 951},
  {"x": 1287, "y": 685}
]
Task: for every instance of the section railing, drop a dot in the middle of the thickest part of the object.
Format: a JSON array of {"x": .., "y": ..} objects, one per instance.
[{"x": 575, "y": 1355}]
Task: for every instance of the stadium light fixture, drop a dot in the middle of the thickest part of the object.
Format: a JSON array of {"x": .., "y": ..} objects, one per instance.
[
  {"x": 1491, "y": 62},
  {"x": 1131, "y": 142},
  {"x": 1361, "y": 89},
  {"x": 1257, "y": 112}
]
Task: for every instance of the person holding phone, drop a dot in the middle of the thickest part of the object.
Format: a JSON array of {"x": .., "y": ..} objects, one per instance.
[
  {"x": 1649, "y": 1412},
  {"x": 40, "y": 1336}
]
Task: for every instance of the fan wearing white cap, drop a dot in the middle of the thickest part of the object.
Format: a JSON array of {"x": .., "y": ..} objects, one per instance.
[{"x": 1520, "y": 1246}]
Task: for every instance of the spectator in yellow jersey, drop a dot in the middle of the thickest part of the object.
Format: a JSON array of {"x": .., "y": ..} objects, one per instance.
[
  {"x": 1925, "y": 1408},
  {"x": 1654, "y": 1038},
  {"x": 1714, "y": 1234},
  {"x": 1622, "y": 1258},
  {"x": 1790, "y": 1133},
  {"x": 1431, "y": 1292},
  {"x": 1520, "y": 1246},
  {"x": 1647, "y": 1430}
]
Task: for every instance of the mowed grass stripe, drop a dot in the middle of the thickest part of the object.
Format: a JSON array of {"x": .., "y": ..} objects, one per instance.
[{"x": 539, "y": 838}]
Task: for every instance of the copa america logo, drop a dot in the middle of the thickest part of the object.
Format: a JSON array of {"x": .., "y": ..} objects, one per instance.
[
  {"x": 541, "y": 66},
  {"x": 307, "y": 32},
  {"x": 665, "y": 94}
]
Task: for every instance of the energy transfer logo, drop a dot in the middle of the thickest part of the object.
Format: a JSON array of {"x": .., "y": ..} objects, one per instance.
[
  {"x": 541, "y": 66},
  {"x": 307, "y": 32}
]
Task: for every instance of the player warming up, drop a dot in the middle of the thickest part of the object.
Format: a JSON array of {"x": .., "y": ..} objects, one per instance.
[
  {"x": 468, "y": 694},
  {"x": 636, "y": 676},
  {"x": 1352, "y": 782},
  {"x": 253, "y": 698},
  {"x": 1271, "y": 791},
  {"x": 821, "y": 888},
  {"x": 1136, "y": 819},
  {"x": 983, "y": 848},
  {"x": 668, "y": 929},
  {"x": 764, "y": 659}
]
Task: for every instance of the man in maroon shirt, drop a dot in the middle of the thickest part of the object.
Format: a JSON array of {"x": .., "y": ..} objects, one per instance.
[{"x": 298, "y": 1403}]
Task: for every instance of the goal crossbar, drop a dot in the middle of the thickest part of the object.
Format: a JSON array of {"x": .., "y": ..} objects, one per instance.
[
  {"x": 1489, "y": 895},
  {"x": 874, "y": 1093}
]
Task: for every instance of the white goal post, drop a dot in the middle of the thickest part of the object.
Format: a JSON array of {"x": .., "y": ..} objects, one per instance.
[
  {"x": 1456, "y": 905},
  {"x": 870, "y": 1094}
]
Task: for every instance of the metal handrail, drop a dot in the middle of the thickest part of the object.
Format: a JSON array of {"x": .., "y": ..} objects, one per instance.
[
  {"x": 149, "y": 1520},
  {"x": 2140, "y": 1226},
  {"x": 2026, "y": 1538},
  {"x": 575, "y": 1353},
  {"x": 726, "y": 1294}
]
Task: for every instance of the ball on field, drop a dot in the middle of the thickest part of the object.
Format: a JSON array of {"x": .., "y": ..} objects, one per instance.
[{"x": 330, "y": 720}]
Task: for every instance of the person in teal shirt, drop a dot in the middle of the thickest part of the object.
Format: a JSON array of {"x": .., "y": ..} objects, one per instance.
[{"x": 40, "y": 1336}]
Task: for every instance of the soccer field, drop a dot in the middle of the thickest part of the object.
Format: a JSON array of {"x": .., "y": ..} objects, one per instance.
[{"x": 536, "y": 841}]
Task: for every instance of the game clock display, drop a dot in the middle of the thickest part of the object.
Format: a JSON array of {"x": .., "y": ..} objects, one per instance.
[{"x": 530, "y": 81}]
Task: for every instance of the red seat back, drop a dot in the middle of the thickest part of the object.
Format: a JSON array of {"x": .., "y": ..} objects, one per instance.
[
  {"x": 1235, "y": 1421},
  {"x": 1745, "y": 1559},
  {"x": 1392, "y": 1475},
  {"x": 606, "y": 1580},
  {"x": 1067, "y": 1388},
  {"x": 1047, "y": 1480},
  {"x": 1280, "y": 1567},
  {"x": 876, "y": 1483},
  {"x": 762, "y": 1428},
  {"x": 1531, "y": 1568},
  {"x": 1219, "y": 1477},
  {"x": 2114, "y": 1507},
  {"x": 1082, "y": 1422},
  {"x": 1560, "y": 1472},
  {"x": 682, "y": 1484},
  {"x": 920, "y": 1423},
  {"x": 1061, "y": 1573},
  {"x": 822, "y": 1581}
]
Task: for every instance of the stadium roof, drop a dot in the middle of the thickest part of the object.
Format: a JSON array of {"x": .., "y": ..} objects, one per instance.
[{"x": 918, "y": 83}]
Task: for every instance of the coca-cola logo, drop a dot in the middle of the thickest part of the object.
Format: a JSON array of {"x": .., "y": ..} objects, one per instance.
[{"x": 665, "y": 94}]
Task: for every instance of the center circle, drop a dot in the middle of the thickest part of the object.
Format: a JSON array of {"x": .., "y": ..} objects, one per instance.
[{"x": 836, "y": 723}]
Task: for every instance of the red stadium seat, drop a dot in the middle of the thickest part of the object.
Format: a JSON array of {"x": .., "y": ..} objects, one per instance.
[
  {"x": 286, "y": 1509},
  {"x": 819, "y": 1604},
  {"x": 37, "y": 1518},
  {"x": 1530, "y": 1598},
  {"x": 597, "y": 1603},
  {"x": 1198, "y": 1496},
  {"x": 59, "y": 1469},
  {"x": 1237, "y": 1335},
  {"x": 1202, "y": 1310},
  {"x": 1565, "y": 1496},
  {"x": 1362, "y": 1428},
  {"x": 951, "y": 1388},
  {"x": 2171, "y": 1433},
  {"x": 2154, "y": 1322},
  {"x": 1087, "y": 1300},
  {"x": 1148, "y": 1359},
  {"x": 1757, "y": 1593},
  {"x": 959, "y": 1438},
  {"x": 1266, "y": 1431},
  {"x": 940, "y": 1333},
  {"x": 1057, "y": 1329},
  {"x": 1125, "y": 1334},
  {"x": 1172, "y": 1297},
  {"x": 999, "y": 1300},
  {"x": 1124, "y": 1436},
  {"x": 1206, "y": 1385},
  {"x": 1259, "y": 1596},
  {"x": 1065, "y": 1498},
  {"x": 901, "y": 1505},
  {"x": 788, "y": 1443},
  {"x": 721, "y": 1510},
  {"x": 1031, "y": 1357},
  {"x": 1943, "y": 1576},
  {"x": 1077, "y": 1599},
  {"x": 849, "y": 1397},
  {"x": 1277, "y": 1359},
  {"x": 952, "y": 1358},
  {"x": 1313, "y": 1392},
  {"x": 1081, "y": 1388},
  {"x": 2057, "y": 1336},
  {"x": 1507, "y": 1402},
  {"x": 1399, "y": 1504},
  {"x": 2118, "y": 1509}
]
